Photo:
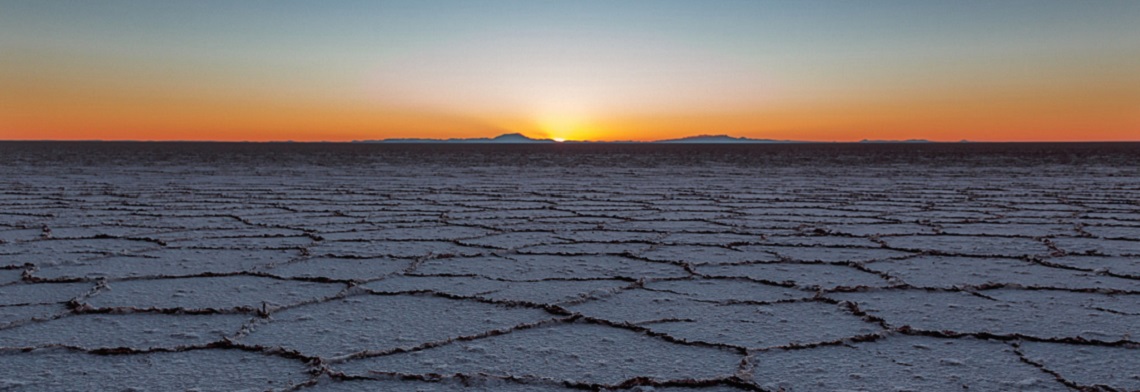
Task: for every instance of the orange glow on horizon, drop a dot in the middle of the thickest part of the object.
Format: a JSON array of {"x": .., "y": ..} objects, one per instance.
[
  {"x": 590, "y": 70},
  {"x": 73, "y": 108}
]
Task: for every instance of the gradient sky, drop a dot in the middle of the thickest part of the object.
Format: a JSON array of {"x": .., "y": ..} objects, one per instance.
[{"x": 840, "y": 70}]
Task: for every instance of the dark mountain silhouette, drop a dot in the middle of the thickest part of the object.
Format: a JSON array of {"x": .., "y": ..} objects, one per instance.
[
  {"x": 717, "y": 139},
  {"x": 508, "y": 138}
]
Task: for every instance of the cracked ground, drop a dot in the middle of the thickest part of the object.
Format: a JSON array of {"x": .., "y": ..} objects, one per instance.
[{"x": 343, "y": 267}]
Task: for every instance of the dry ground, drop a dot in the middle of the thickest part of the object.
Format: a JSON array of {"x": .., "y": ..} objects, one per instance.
[{"x": 562, "y": 271}]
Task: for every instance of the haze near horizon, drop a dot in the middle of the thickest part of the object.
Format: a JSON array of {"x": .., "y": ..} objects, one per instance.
[{"x": 583, "y": 70}]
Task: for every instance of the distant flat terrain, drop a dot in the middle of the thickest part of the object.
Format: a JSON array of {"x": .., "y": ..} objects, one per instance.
[{"x": 338, "y": 267}]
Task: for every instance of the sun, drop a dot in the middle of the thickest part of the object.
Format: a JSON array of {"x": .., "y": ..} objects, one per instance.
[{"x": 559, "y": 139}]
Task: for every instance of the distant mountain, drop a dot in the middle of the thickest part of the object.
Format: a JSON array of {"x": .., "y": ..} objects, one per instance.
[
  {"x": 717, "y": 139},
  {"x": 509, "y": 138}
]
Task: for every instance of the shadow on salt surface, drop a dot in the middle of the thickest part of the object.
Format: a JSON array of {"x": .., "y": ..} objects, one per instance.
[
  {"x": 209, "y": 370},
  {"x": 949, "y": 272},
  {"x": 738, "y": 325},
  {"x": 532, "y": 267},
  {"x": 384, "y": 322},
  {"x": 222, "y": 292},
  {"x": 167, "y": 262},
  {"x": 902, "y": 363},
  {"x": 1043, "y": 314},
  {"x": 575, "y": 352},
  {"x": 537, "y": 292},
  {"x": 1089, "y": 366},
  {"x": 134, "y": 330}
]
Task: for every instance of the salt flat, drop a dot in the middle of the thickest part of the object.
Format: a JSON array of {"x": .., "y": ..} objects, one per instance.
[{"x": 711, "y": 268}]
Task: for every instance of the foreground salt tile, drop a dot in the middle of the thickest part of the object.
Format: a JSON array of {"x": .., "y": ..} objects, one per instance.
[
  {"x": 715, "y": 239},
  {"x": 18, "y": 314},
  {"x": 700, "y": 255},
  {"x": 530, "y": 267},
  {"x": 947, "y": 272},
  {"x": 380, "y": 383},
  {"x": 382, "y": 248},
  {"x": 167, "y": 262},
  {"x": 254, "y": 242},
  {"x": 384, "y": 322},
  {"x": 1092, "y": 367},
  {"x": 221, "y": 292},
  {"x": 1099, "y": 246},
  {"x": 828, "y": 254},
  {"x": 340, "y": 268},
  {"x": 901, "y": 363},
  {"x": 668, "y": 226},
  {"x": 138, "y": 331},
  {"x": 821, "y": 240},
  {"x": 823, "y": 276},
  {"x": 970, "y": 245},
  {"x": 64, "y": 251},
  {"x": 742, "y": 325},
  {"x": 574, "y": 352},
  {"x": 205, "y": 369},
  {"x": 1120, "y": 265},
  {"x": 881, "y": 229},
  {"x": 537, "y": 292},
  {"x": 1114, "y": 232},
  {"x": 42, "y": 293},
  {"x": 429, "y": 233},
  {"x": 1008, "y": 229},
  {"x": 586, "y": 248},
  {"x": 1001, "y": 312},
  {"x": 728, "y": 290},
  {"x": 11, "y": 275},
  {"x": 514, "y": 240}
]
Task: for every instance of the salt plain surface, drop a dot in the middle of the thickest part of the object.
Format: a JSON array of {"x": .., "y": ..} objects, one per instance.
[{"x": 337, "y": 268}]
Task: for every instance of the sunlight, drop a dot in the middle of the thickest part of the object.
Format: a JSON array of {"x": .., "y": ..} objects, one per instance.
[{"x": 561, "y": 128}]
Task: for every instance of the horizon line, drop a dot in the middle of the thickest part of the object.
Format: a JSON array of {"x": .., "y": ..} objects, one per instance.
[{"x": 568, "y": 142}]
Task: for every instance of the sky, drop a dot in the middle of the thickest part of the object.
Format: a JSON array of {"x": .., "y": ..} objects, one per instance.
[{"x": 276, "y": 70}]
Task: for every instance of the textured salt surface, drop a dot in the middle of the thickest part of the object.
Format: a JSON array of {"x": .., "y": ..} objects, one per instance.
[{"x": 267, "y": 272}]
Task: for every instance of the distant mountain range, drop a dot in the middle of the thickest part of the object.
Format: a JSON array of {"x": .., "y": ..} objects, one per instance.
[
  {"x": 509, "y": 138},
  {"x": 518, "y": 138}
]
